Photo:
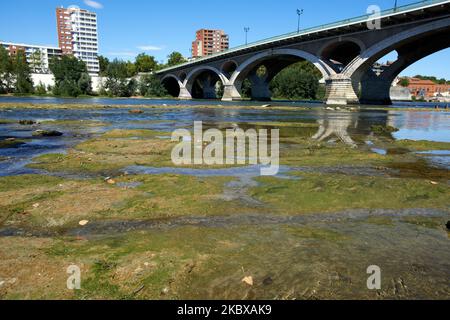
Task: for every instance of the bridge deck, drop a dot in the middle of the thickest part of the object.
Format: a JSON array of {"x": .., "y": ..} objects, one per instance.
[{"x": 389, "y": 13}]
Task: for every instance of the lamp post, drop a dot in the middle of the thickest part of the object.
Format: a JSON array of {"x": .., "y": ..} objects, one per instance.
[
  {"x": 395, "y": 5},
  {"x": 299, "y": 13},
  {"x": 246, "y": 29}
]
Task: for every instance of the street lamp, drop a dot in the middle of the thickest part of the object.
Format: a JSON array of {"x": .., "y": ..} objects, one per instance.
[
  {"x": 246, "y": 29},
  {"x": 395, "y": 5},
  {"x": 299, "y": 13}
]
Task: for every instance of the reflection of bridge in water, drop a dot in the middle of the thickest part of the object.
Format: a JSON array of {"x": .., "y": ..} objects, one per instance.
[{"x": 344, "y": 53}]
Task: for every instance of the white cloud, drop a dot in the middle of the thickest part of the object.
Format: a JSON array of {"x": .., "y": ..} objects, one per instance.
[
  {"x": 93, "y": 4},
  {"x": 149, "y": 48}
]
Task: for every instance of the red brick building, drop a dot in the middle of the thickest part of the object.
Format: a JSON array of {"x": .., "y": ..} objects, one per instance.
[
  {"x": 208, "y": 42},
  {"x": 426, "y": 88}
]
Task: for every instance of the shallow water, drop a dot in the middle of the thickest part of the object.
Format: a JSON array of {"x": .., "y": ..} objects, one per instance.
[{"x": 431, "y": 125}]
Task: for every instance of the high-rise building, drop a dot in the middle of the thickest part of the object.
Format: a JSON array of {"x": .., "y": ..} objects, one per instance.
[
  {"x": 208, "y": 42},
  {"x": 77, "y": 35},
  {"x": 38, "y": 57}
]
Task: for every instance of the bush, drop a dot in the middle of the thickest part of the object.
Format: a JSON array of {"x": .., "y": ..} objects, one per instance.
[{"x": 151, "y": 86}]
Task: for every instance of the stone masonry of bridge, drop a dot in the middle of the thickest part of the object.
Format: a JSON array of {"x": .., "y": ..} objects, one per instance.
[{"x": 344, "y": 54}]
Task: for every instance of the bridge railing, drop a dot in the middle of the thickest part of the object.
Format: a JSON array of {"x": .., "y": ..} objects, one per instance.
[{"x": 324, "y": 27}]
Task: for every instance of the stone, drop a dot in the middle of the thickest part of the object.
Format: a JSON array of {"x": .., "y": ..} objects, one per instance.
[
  {"x": 136, "y": 111},
  {"x": 83, "y": 223},
  {"x": 47, "y": 133},
  {"x": 248, "y": 280},
  {"x": 26, "y": 122}
]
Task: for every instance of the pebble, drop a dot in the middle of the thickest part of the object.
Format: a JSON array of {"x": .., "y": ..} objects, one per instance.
[
  {"x": 83, "y": 222},
  {"x": 248, "y": 281}
]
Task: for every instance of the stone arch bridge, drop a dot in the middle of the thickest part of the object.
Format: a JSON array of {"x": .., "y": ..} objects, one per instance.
[{"x": 344, "y": 53}]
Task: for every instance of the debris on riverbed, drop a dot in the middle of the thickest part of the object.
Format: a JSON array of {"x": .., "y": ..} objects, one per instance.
[
  {"x": 27, "y": 122},
  {"x": 83, "y": 223},
  {"x": 248, "y": 281},
  {"x": 136, "y": 111},
  {"x": 47, "y": 133}
]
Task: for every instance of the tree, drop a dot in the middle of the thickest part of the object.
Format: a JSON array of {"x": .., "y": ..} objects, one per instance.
[
  {"x": 151, "y": 86},
  {"x": 145, "y": 63},
  {"x": 404, "y": 82},
  {"x": 22, "y": 73},
  {"x": 104, "y": 62},
  {"x": 131, "y": 69},
  {"x": 6, "y": 71},
  {"x": 299, "y": 81},
  {"x": 117, "y": 83},
  {"x": 175, "y": 58},
  {"x": 71, "y": 77},
  {"x": 40, "y": 89}
]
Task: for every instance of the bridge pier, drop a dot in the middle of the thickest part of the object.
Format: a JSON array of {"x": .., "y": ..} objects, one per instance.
[
  {"x": 260, "y": 87},
  {"x": 184, "y": 94},
  {"x": 339, "y": 90},
  {"x": 231, "y": 93},
  {"x": 375, "y": 90}
]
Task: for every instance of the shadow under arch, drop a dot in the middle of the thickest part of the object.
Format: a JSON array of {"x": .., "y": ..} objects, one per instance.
[
  {"x": 274, "y": 61},
  {"x": 203, "y": 81}
]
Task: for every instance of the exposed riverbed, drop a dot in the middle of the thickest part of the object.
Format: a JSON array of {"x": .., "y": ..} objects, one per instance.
[{"x": 357, "y": 186}]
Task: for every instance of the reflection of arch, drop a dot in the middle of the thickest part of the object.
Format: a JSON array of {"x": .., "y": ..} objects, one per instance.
[
  {"x": 172, "y": 84},
  {"x": 244, "y": 69},
  {"x": 368, "y": 57}
]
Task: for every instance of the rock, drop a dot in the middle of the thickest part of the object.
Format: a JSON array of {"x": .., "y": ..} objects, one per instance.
[
  {"x": 36, "y": 205},
  {"x": 26, "y": 122},
  {"x": 165, "y": 290},
  {"x": 2, "y": 283},
  {"x": 329, "y": 109},
  {"x": 266, "y": 106},
  {"x": 47, "y": 133},
  {"x": 110, "y": 181},
  {"x": 136, "y": 111},
  {"x": 434, "y": 183},
  {"x": 248, "y": 280},
  {"x": 267, "y": 281},
  {"x": 448, "y": 225},
  {"x": 83, "y": 223}
]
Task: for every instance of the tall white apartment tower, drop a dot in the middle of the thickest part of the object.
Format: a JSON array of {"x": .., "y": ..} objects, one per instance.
[{"x": 77, "y": 35}]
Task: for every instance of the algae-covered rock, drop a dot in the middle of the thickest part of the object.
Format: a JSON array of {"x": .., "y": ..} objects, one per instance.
[{"x": 47, "y": 133}]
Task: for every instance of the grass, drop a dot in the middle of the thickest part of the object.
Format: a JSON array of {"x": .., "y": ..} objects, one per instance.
[{"x": 315, "y": 193}]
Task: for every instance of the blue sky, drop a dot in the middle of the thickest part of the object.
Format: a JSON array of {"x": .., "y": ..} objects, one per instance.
[{"x": 157, "y": 27}]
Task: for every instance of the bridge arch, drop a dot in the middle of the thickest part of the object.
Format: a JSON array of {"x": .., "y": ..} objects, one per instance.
[
  {"x": 368, "y": 57},
  {"x": 201, "y": 82},
  {"x": 172, "y": 84},
  {"x": 340, "y": 52},
  {"x": 274, "y": 61}
]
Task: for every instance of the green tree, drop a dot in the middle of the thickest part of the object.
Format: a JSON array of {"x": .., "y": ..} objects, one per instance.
[
  {"x": 299, "y": 81},
  {"x": 151, "y": 86},
  {"x": 145, "y": 63},
  {"x": 71, "y": 77},
  {"x": 175, "y": 58},
  {"x": 36, "y": 61},
  {"x": 6, "y": 71},
  {"x": 404, "y": 82},
  {"x": 131, "y": 69},
  {"x": 22, "y": 72},
  {"x": 104, "y": 62},
  {"x": 40, "y": 89},
  {"x": 117, "y": 83}
]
